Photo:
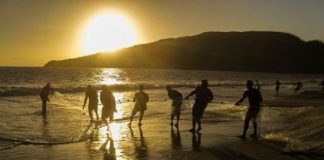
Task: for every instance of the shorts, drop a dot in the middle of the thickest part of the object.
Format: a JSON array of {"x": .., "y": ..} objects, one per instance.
[
  {"x": 93, "y": 105},
  {"x": 252, "y": 114},
  {"x": 107, "y": 112},
  {"x": 138, "y": 108},
  {"x": 198, "y": 110}
]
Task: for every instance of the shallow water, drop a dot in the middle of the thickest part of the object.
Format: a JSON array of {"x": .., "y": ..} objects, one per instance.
[{"x": 21, "y": 123}]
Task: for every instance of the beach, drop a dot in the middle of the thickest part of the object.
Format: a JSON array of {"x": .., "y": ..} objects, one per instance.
[
  {"x": 290, "y": 125},
  {"x": 156, "y": 139}
]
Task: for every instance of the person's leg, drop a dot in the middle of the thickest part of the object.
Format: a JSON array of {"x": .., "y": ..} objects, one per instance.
[
  {"x": 141, "y": 117},
  {"x": 44, "y": 104},
  {"x": 255, "y": 126},
  {"x": 247, "y": 120},
  {"x": 132, "y": 115},
  {"x": 199, "y": 123},
  {"x": 178, "y": 118},
  {"x": 111, "y": 117},
  {"x": 103, "y": 117},
  {"x": 90, "y": 112},
  {"x": 172, "y": 115},
  {"x": 96, "y": 111},
  {"x": 200, "y": 115},
  {"x": 194, "y": 119}
]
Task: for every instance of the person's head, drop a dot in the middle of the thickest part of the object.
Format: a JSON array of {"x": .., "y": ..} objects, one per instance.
[
  {"x": 104, "y": 87},
  {"x": 89, "y": 87},
  {"x": 168, "y": 88},
  {"x": 141, "y": 87},
  {"x": 48, "y": 85},
  {"x": 249, "y": 84},
  {"x": 204, "y": 83}
]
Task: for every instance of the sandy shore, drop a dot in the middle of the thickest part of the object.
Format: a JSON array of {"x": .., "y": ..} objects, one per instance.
[{"x": 157, "y": 140}]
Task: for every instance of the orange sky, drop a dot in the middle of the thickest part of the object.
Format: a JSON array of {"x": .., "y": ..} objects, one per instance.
[{"x": 36, "y": 31}]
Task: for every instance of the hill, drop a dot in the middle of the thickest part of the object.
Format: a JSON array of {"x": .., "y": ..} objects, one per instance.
[{"x": 238, "y": 51}]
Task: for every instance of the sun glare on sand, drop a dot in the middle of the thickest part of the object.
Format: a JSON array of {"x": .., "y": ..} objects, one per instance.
[{"x": 108, "y": 32}]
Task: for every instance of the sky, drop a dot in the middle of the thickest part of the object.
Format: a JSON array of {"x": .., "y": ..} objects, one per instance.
[{"x": 32, "y": 32}]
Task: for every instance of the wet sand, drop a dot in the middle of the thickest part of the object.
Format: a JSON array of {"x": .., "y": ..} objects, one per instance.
[{"x": 156, "y": 139}]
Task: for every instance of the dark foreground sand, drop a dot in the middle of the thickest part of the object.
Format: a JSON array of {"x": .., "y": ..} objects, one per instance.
[{"x": 157, "y": 140}]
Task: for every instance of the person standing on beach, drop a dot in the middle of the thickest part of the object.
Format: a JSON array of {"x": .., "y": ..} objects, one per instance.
[
  {"x": 176, "y": 98},
  {"x": 109, "y": 104},
  {"x": 140, "y": 99},
  {"x": 299, "y": 85},
  {"x": 44, "y": 97},
  {"x": 203, "y": 96},
  {"x": 278, "y": 83},
  {"x": 255, "y": 98},
  {"x": 92, "y": 95}
]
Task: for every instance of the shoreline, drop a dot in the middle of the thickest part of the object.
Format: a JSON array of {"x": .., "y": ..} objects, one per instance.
[{"x": 156, "y": 140}]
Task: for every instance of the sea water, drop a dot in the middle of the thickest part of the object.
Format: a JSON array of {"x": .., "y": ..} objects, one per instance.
[{"x": 294, "y": 119}]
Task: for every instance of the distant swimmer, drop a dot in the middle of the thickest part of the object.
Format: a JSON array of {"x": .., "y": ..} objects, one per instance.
[
  {"x": 203, "y": 96},
  {"x": 109, "y": 104},
  {"x": 44, "y": 97},
  {"x": 91, "y": 94},
  {"x": 277, "y": 88},
  {"x": 322, "y": 84},
  {"x": 299, "y": 85},
  {"x": 176, "y": 98},
  {"x": 255, "y": 98},
  {"x": 140, "y": 99}
]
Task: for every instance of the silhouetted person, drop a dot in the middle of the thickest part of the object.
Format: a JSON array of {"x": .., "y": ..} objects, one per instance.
[
  {"x": 255, "y": 98},
  {"x": 176, "y": 98},
  {"x": 203, "y": 96},
  {"x": 44, "y": 97},
  {"x": 108, "y": 104},
  {"x": 322, "y": 84},
  {"x": 140, "y": 99},
  {"x": 299, "y": 85},
  {"x": 91, "y": 94},
  {"x": 277, "y": 88}
]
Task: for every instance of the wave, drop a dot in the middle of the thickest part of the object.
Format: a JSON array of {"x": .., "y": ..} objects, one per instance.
[
  {"x": 25, "y": 91},
  {"x": 301, "y": 129}
]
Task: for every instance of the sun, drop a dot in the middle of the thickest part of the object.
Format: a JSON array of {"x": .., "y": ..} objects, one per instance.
[{"x": 108, "y": 32}]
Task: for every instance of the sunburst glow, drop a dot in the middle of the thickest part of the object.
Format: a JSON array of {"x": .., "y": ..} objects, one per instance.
[{"x": 109, "y": 31}]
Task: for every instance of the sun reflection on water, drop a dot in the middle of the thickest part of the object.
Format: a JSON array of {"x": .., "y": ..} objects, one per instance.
[{"x": 112, "y": 77}]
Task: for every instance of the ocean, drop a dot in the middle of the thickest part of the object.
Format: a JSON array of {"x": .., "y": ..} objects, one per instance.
[{"x": 296, "y": 119}]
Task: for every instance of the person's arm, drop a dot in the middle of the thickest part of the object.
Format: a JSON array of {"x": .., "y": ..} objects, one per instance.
[
  {"x": 48, "y": 93},
  {"x": 211, "y": 96},
  {"x": 241, "y": 100},
  {"x": 85, "y": 100},
  {"x": 258, "y": 87},
  {"x": 192, "y": 93},
  {"x": 147, "y": 98},
  {"x": 114, "y": 103}
]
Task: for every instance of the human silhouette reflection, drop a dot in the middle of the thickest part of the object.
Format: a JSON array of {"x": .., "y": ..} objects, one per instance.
[
  {"x": 109, "y": 152},
  {"x": 196, "y": 141},
  {"x": 176, "y": 138},
  {"x": 45, "y": 127},
  {"x": 139, "y": 143},
  {"x": 94, "y": 137}
]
